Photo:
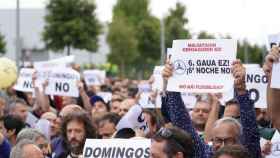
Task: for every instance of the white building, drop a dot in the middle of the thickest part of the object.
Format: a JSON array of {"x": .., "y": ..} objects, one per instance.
[{"x": 31, "y": 27}]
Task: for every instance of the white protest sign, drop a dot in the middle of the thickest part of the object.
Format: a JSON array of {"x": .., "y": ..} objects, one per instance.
[
  {"x": 145, "y": 100},
  {"x": 169, "y": 52},
  {"x": 202, "y": 66},
  {"x": 134, "y": 119},
  {"x": 256, "y": 83},
  {"x": 117, "y": 148},
  {"x": 106, "y": 96},
  {"x": 24, "y": 81},
  {"x": 144, "y": 87},
  {"x": 94, "y": 77},
  {"x": 44, "y": 68},
  {"x": 275, "y": 149},
  {"x": 158, "y": 80},
  {"x": 63, "y": 82},
  {"x": 60, "y": 62},
  {"x": 189, "y": 100},
  {"x": 226, "y": 96},
  {"x": 275, "y": 76}
]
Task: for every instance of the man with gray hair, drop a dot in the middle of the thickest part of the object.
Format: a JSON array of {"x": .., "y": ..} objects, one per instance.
[
  {"x": 26, "y": 149},
  {"x": 36, "y": 136},
  {"x": 226, "y": 131}
]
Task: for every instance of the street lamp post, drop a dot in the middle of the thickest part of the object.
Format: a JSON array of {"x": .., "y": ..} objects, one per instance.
[{"x": 18, "y": 41}]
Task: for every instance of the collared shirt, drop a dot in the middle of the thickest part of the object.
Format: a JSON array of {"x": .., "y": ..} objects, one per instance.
[{"x": 174, "y": 110}]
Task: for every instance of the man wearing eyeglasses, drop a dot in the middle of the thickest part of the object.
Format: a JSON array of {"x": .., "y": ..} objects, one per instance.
[
  {"x": 172, "y": 143},
  {"x": 225, "y": 132}
]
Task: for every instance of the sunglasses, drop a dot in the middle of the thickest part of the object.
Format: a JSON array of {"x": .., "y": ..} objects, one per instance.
[{"x": 166, "y": 133}]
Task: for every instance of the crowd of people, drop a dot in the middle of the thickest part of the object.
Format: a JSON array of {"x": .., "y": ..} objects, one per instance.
[{"x": 35, "y": 125}]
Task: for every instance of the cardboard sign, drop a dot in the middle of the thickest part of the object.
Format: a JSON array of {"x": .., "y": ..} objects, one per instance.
[
  {"x": 117, "y": 148},
  {"x": 202, "y": 66},
  {"x": 256, "y": 83},
  {"x": 134, "y": 119},
  {"x": 275, "y": 150},
  {"x": 158, "y": 80},
  {"x": 24, "y": 81},
  {"x": 95, "y": 77},
  {"x": 63, "y": 82},
  {"x": 60, "y": 62},
  {"x": 107, "y": 96}
]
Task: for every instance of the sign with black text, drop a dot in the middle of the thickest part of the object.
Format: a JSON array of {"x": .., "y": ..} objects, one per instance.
[
  {"x": 24, "y": 81},
  {"x": 134, "y": 119},
  {"x": 63, "y": 82},
  {"x": 202, "y": 66},
  {"x": 117, "y": 148},
  {"x": 256, "y": 83}
]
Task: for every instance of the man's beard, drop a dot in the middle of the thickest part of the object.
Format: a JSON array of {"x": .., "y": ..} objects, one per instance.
[
  {"x": 75, "y": 146},
  {"x": 264, "y": 123}
]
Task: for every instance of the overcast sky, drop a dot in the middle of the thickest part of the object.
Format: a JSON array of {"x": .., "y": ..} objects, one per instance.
[{"x": 251, "y": 19}]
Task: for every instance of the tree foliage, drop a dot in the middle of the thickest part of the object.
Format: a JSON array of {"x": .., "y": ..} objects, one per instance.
[
  {"x": 2, "y": 45},
  {"x": 254, "y": 52},
  {"x": 71, "y": 23},
  {"x": 144, "y": 30},
  {"x": 175, "y": 23},
  {"x": 205, "y": 35},
  {"x": 123, "y": 43}
]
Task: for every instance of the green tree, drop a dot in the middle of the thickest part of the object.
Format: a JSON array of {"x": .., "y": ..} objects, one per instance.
[
  {"x": 71, "y": 24},
  {"x": 146, "y": 33},
  {"x": 2, "y": 45},
  {"x": 255, "y": 53},
  {"x": 123, "y": 43},
  {"x": 175, "y": 24},
  {"x": 205, "y": 35}
]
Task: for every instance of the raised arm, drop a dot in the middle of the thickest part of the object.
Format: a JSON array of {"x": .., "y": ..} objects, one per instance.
[
  {"x": 250, "y": 137},
  {"x": 42, "y": 101},
  {"x": 273, "y": 95},
  {"x": 212, "y": 118},
  {"x": 174, "y": 110}
]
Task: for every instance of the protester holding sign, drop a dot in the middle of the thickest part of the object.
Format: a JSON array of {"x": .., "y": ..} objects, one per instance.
[
  {"x": 273, "y": 96},
  {"x": 174, "y": 110}
]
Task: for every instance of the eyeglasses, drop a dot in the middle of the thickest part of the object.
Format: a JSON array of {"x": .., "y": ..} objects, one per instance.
[{"x": 225, "y": 141}]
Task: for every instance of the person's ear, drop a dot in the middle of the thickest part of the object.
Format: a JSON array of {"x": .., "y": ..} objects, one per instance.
[{"x": 179, "y": 155}]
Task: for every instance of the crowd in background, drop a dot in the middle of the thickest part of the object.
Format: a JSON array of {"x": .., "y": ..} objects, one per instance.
[{"x": 35, "y": 125}]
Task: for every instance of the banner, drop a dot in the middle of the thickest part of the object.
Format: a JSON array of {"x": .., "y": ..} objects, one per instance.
[
  {"x": 95, "y": 77},
  {"x": 202, "y": 66},
  {"x": 117, "y": 148},
  {"x": 63, "y": 82},
  {"x": 256, "y": 83},
  {"x": 133, "y": 119},
  {"x": 24, "y": 81}
]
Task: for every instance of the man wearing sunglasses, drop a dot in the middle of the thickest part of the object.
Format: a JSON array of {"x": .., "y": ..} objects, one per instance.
[{"x": 172, "y": 143}]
